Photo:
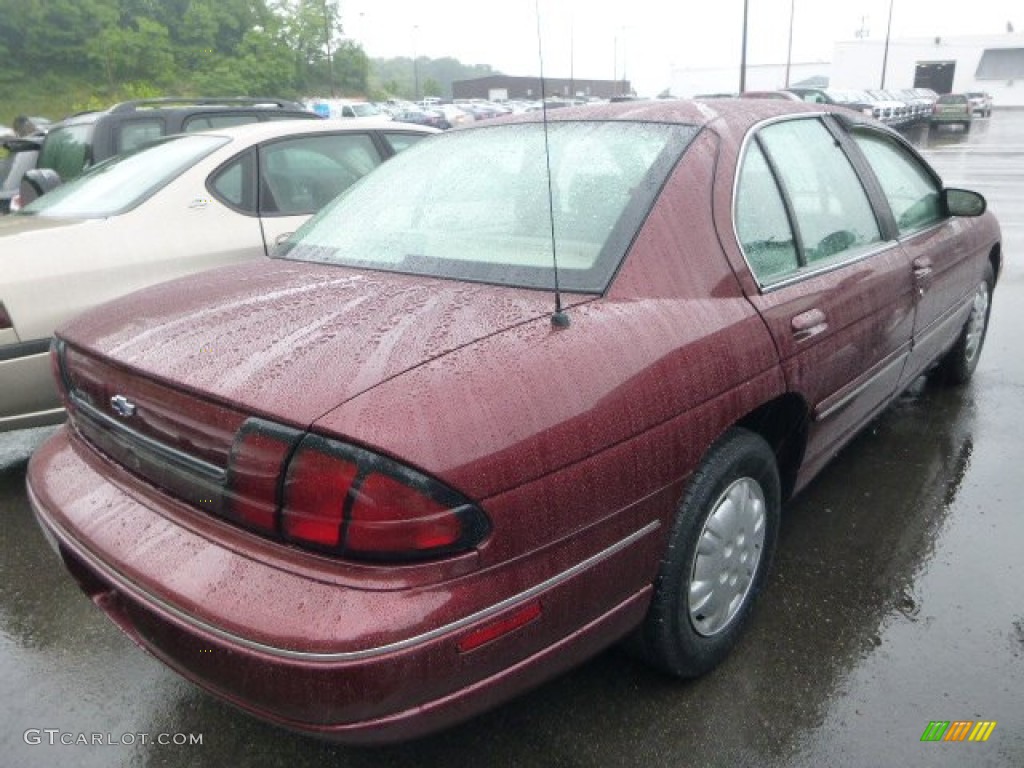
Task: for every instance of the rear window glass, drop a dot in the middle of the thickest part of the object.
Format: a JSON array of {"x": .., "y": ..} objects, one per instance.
[
  {"x": 949, "y": 98},
  {"x": 65, "y": 150},
  {"x": 474, "y": 205},
  {"x": 135, "y": 133},
  {"x": 212, "y": 122},
  {"x": 123, "y": 182}
]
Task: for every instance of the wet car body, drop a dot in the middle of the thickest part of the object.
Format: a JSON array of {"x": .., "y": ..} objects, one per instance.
[{"x": 565, "y": 449}]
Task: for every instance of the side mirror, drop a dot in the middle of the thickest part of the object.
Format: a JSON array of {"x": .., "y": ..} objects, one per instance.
[
  {"x": 963, "y": 202},
  {"x": 37, "y": 182}
]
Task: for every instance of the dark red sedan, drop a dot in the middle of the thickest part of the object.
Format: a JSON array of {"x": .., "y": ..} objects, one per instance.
[{"x": 380, "y": 483}]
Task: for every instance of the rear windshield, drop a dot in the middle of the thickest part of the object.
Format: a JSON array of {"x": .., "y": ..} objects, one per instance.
[
  {"x": 124, "y": 181},
  {"x": 949, "y": 98},
  {"x": 66, "y": 150},
  {"x": 474, "y": 205}
]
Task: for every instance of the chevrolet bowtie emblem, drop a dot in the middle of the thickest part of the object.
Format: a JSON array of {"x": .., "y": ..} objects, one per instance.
[{"x": 122, "y": 406}]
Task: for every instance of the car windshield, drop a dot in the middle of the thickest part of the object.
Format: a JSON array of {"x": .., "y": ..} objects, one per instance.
[
  {"x": 474, "y": 205},
  {"x": 123, "y": 182}
]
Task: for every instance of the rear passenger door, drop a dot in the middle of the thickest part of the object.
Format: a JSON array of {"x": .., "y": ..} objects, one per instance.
[{"x": 834, "y": 291}]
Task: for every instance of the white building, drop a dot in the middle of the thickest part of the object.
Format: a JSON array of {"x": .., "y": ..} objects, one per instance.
[
  {"x": 760, "y": 77},
  {"x": 990, "y": 63}
]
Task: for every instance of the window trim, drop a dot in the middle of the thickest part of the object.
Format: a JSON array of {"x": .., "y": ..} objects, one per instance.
[
  {"x": 829, "y": 121},
  {"x": 237, "y": 157}
]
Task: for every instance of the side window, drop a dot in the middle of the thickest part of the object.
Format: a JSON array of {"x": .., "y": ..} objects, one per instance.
[
  {"x": 210, "y": 122},
  {"x": 301, "y": 175},
  {"x": 830, "y": 207},
  {"x": 233, "y": 183},
  {"x": 400, "y": 141},
  {"x": 912, "y": 192},
  {"x": 137, "y": 132},
  {"x": 761, "y": 221}
]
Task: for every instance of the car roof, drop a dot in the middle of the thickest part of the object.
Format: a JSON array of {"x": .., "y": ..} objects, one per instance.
[
  {"x": 274, "y": 129},
  {"x": 735, "y": 112}
]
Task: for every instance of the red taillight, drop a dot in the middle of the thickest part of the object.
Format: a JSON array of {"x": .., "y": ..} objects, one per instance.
[
  {"x": 254, "y": 473},
  {"x": 5, "y": 319},
  {"x": 390, "y": 516},
  {"x": 329, "y": 496},
  {"x": 315, "y": 494}
]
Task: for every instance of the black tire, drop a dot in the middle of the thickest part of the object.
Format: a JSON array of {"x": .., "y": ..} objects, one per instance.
[
  {"x": 967, "y": 126},
  {"x": 958, "y": 365},
  {"x": 675, "y": 636}
]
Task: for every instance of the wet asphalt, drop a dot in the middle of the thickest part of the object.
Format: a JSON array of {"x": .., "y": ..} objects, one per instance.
[{"x": 897, "y": 598}]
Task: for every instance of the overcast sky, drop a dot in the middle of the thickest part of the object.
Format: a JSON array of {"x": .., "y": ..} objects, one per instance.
[{"x": 645, "y": 39}]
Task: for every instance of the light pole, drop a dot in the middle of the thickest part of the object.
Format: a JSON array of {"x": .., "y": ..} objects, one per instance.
[
  {"x": 885, "y": 55},
  {"x": 327, "y": 43},
  {"x": 789, "y": 47},
  {"x": 415, "y": 66},
  {"x": 743, "y": 50}
]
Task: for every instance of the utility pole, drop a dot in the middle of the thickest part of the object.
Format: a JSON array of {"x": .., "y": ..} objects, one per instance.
[
  {"x": 743, "y": 50},
  {"x": 789, "y": 48},
  {"x": 885, "y": 56},
  {"x": 415, "y": 66},
  {"x": 327, "y": 44}
]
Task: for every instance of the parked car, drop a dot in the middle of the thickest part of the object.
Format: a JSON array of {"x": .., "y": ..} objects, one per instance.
[
  {"x": 952, "y": 109},
  {"x": 417, "y": 116},
  {"x": 187, "y": 203},
  {"x": 981, "y": 103},
  {"x": 17, "y": 156},
  {"x": 855, "y": 100},
  {"x": 469, "y": 428},
  {"x": 783, "y": 95},
  {"x": 346, "y": 108},
  {"x": 77, "y": 142}
]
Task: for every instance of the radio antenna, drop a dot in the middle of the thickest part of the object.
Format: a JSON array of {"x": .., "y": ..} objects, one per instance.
[{"x": 559, "y": 319}]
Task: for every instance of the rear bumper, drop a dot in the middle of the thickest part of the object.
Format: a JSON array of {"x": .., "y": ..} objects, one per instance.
[{"x": 368, "y": 674}]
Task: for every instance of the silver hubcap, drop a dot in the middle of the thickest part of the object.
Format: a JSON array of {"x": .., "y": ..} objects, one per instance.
[
  {"x": 728, "y": 552},
  {"x": 976, "y": 323}
]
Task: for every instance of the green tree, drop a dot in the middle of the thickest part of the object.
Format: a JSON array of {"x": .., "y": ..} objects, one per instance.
[
  {"x": 139, "y": 52},
  {"x": 431, "y": 87}
]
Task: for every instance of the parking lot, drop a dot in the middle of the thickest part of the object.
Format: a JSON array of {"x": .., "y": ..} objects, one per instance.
[{"x": 894, "y": 602}]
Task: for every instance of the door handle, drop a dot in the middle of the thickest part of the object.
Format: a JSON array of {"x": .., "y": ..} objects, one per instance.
[
  {"x": 922, "y": 274},
  {"x": 808, "y": 324}
]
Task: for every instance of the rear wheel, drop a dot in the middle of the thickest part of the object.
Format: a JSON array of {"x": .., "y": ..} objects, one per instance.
[
  {"x": 718, "y": 557},
  {"x": 958, "y": 365}
]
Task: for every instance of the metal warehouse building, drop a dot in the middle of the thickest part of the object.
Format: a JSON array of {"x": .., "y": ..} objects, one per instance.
[
  {"x": 991, "y": 63},
  {"x": 500, "y": 87}
]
